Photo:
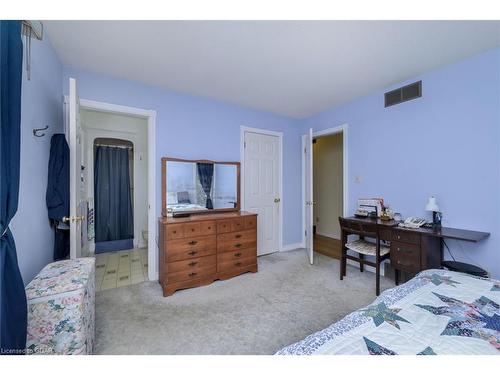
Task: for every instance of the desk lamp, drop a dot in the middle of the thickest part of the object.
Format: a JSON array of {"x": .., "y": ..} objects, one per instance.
[{"x": 436, "y": 214}]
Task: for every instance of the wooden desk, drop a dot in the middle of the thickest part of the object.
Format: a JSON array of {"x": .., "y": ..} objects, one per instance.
[{"x": 414, "y": 250}]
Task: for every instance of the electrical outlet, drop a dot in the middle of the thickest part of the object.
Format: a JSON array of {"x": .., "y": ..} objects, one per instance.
[
  {"x": 317, "y": 219},
  {"x": 358, "y": 179}
]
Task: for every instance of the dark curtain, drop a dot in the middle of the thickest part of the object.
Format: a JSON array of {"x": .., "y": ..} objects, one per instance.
[
  {"x": 112, "y": 199},
  {"x": 206, "y": 174},
  {"x": 13, "y": 308},
  {"x": 57, "y": 196}
]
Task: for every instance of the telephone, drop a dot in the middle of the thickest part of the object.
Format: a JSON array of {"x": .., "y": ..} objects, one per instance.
[{"x": 413, "y": 222}]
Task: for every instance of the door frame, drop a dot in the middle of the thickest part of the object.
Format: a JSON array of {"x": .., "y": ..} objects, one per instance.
[
  {"x": 244, "y": 129},
  {"x": 150, "y": 116},
  {"x": 345, "y": 171}
]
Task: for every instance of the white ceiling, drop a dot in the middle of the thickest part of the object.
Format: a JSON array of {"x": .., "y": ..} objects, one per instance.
[{"x": 292, "y": 68}]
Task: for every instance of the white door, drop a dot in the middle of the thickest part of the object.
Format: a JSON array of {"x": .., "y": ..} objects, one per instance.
[
  {"x": 77, "y": 210},
  {"x": 308, "y": 155},
  {"x": 262, "y": 187}
]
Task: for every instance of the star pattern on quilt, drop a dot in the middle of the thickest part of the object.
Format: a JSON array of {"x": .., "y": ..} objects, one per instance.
[
  {"x": 479, "y": 319},
  {"x": 427, "y": 351},
  {"x": 376, "y": 349},
  {"x": 381, "y": 313},
  {"x": 495, "y": 287},
  {"x": 439, "y": 279}
]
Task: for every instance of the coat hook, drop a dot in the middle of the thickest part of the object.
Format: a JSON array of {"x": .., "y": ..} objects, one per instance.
[{"x": 36, "y": 130}]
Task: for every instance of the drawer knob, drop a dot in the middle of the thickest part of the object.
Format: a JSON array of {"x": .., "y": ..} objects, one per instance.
[
  {"x": 192, "y": 274},
  {"x": 192, "y": 264},
  {"x": 193, "y": 252},
  {"x": 238, "y": 236},
  {"x": 399, "y": 237},
  {"x": 209, "y": 228},
  {"x": 193, "y": 243},
  {"x": 237, "y": 255},
  {"x": 237, "y": 264},
  {"x": 175, "y": 231},
  {"x": 238, "y": 245}
]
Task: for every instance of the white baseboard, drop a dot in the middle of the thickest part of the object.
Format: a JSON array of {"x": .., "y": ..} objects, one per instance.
[
  {"x": 335, "y": 236},
  {"x": 292, "y": 246}
]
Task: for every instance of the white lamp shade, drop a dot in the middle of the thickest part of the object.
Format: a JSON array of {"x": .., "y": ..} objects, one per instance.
[{"x": 432, "y": 205}]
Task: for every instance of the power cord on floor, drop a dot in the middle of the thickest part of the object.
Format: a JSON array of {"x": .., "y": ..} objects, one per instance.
[{"x": 449, "y": 251}]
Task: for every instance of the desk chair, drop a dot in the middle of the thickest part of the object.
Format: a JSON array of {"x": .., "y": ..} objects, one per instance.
[{"x": 362, "y": 247}]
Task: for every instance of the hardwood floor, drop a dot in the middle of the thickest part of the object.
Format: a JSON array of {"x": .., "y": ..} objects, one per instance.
[{"x": 327, "y": 246}]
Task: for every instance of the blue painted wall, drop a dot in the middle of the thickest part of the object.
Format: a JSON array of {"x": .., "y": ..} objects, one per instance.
[
  {"x": 444, "y": 144},
  {"x": 197, "y": 128},
  {"x": 41, "y": 106}
]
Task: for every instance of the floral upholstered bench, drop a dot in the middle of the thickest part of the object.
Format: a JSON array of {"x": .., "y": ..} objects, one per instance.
[{"x": 61, "y": 308}]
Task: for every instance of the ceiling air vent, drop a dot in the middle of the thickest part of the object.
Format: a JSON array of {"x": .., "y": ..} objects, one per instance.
[{"x": 403, "y": 94}]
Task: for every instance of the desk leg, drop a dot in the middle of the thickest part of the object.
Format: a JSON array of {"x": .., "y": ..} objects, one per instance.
[
  {"x": 441, "y": 255},
  {"x": 343, "y": 259},
  {"x": 396, "y": 276}
]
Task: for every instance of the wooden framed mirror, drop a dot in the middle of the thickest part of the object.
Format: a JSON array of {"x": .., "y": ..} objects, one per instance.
[{"x": 199, "y": 186}]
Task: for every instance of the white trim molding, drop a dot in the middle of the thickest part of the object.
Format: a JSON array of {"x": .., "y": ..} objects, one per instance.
[
  {"x": 292, "y": 246},
  {"x": 150, "y": 116},
  {"x": 330, "y": 131},
  {"x": 335, "y": 236},
  {"x": 243, "y": 130}
]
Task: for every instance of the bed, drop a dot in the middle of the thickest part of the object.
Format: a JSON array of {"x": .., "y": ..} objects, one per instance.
[{"x": 436, "y": 312}]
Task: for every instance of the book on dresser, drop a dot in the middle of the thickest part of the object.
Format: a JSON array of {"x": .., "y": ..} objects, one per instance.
[{"x": 203, "y": 234}]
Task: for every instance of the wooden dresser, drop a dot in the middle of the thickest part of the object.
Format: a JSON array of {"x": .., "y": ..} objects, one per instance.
[{"x": 199, "y": 249}]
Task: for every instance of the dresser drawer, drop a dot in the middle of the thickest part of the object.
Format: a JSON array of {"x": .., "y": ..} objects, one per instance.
[
  {"x": 224, "y": 226},
  {"x": 405, "y": 256},
  {"x": 403, "y": 236},
  {"x": 190, "y": 248},
  {"x": 190, "y": 274},
  {"x": 238, "y": 224},
  {"x": 208, "y": 227},
  {"x": 235, "y": 265},
  {"x": 237, "y": 240},
  {"x": 174, "y": 231},
  {"x": 229, "y": 256},
  {"x": 251, "y": 222},
  {"x": 191, "y": 264}
]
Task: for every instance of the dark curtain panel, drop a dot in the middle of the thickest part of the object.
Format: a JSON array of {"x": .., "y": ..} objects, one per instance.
[
  {"x": 206, "y": 174},
  {"x": 13, "y": 308},
  {"x": 112, "y": 199}
]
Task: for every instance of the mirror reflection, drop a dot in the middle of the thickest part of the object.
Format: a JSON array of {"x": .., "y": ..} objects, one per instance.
[{"x": 193, "y": 186}]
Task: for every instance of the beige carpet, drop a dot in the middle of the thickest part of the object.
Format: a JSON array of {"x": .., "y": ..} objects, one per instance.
[{"x": 260, "y": 313}]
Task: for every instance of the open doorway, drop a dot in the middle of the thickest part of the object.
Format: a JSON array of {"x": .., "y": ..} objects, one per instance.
[
  {"x": 325, "y": 189},
  {"x": 115, "y": 175},
  {"x": 328, "y": 193}
]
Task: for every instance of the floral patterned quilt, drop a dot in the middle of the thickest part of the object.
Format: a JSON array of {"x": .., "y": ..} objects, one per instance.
[{"x": 437, "y": 312}]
